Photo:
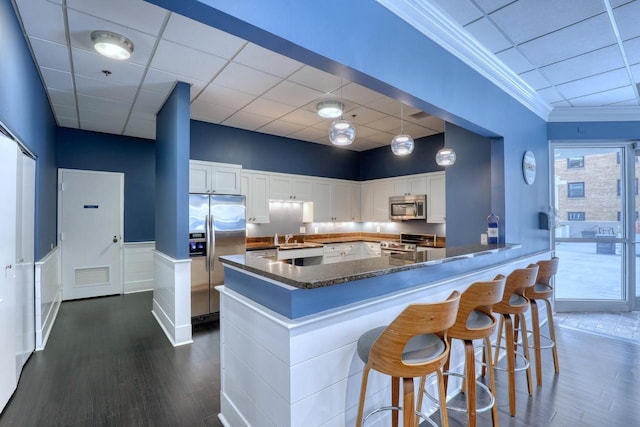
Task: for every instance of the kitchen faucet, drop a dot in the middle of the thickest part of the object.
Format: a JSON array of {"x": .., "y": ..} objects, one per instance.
[{"x": 287, "y": 237}]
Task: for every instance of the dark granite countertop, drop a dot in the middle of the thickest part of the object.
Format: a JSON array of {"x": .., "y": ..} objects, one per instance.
[{"x": 316, "y": 276}]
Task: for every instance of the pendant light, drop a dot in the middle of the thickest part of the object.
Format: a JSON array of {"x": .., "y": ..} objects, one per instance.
[
  {"x": 341, "y": 131},
  {"x": 445, "y": 157},
  {"x": 330, "y": 109},
  {"x": 402, "y": 144}
]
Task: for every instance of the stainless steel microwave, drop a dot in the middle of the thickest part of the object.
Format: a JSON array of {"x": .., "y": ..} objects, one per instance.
[{"x": 408, "y": 207}]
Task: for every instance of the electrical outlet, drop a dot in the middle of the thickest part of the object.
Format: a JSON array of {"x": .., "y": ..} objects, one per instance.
[
  {"x": 315, "y": 230},
  {"x": 302, "y": 230},
  {"x": 377, "y": 228}
]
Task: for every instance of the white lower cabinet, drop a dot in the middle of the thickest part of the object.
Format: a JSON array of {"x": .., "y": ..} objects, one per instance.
[
  {"x": 370, "y": 249},
  {"x": 340, "y": 252}
]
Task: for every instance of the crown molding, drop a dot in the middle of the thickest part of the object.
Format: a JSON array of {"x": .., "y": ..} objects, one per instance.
[
  {"x": 431, "y": 21},
  {"x": 595, "y": 114}
]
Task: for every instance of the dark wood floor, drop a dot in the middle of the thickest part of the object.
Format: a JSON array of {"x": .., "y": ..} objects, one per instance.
[{"x": 108, "y": 363}]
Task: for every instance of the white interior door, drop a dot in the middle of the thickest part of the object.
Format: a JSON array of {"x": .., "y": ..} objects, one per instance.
[
  {"x": 25, "y": 253},
  {"x": 91, "y": 228},
  {"x": 8, "y": 186}
]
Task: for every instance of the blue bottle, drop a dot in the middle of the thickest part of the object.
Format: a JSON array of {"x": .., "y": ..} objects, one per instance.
[{"x": 492, "y": 229}]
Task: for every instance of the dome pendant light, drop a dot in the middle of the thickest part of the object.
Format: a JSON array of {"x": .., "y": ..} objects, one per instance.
[
  {"x": 342, "y": 132},
  {"x": 445, "y": 157},
  {"x": 112, "y": 45},
  {"x": 402, "y": 144},
  {"x": 330, "y": 109}
]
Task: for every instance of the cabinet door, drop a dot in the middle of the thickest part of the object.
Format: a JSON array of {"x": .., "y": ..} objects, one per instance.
[
  {"x": 356, "y": 204},
  {"x": 199, "y": 178},
  {"x": 371, "y": 250},
  {"x": 341, "y": 201},
  {"x": 331, "y": 254},
  {"x": 366, "y": 201},
  {"x": 399, "y": 187},
  {"x": 352, "y": 252},
  {"x": 225, "y": 180},
  {"x": 255, "y": 186},
  {"x": 381, "y": 192},
  {"x": 302, "y": 189},
  {"x": 321, "y": 201},
  {"x": 417, "y": 185},
  {"x": 280, "y": 188},
  {"x": 436, "y": 198}
]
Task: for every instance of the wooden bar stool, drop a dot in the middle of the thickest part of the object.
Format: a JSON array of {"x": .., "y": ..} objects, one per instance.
[
  {"x": 543, "y": 290},
  {"x": 413, "y": 345},
  {"x": 515, "y": 303}
]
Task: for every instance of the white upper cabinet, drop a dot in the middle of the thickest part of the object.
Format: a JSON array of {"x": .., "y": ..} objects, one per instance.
[
  {"x": 341, "y": 201},
  {"x": 290, "y": 187},
  {"x": 214, "y": 178},
  {"x": 409, "y": 186},
  {"x": 381, "y": 192},
  {"x": 366, "y": 201},
  {"x": 255, "y": 186},
  {"x": 436, "y": 197},
  {"x": 356, "y": 202},
  {"x": 322, "y": 201}
]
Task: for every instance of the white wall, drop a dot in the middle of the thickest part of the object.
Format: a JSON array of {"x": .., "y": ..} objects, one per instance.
[{"x": 138, "y": 266}]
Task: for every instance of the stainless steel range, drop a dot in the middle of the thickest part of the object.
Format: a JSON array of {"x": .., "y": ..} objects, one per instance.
[{"x": 408, "y": 243}]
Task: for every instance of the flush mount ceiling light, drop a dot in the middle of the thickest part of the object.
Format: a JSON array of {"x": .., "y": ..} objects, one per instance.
[
  {"x": 446, "y": 157},
  {"x": 342, "y": 132},
  {"x": 402, "y": 144},
  {"x": 112, "y": 45},
  {"x": 330, "y": 109}
]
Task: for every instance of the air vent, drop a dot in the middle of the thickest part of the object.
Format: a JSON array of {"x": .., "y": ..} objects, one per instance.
[
  {"x": 91, "y": 276},
  {"x": 419, "y": 115}
]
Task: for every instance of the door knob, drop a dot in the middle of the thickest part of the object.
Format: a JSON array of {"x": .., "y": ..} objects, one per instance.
[{"x": 115, "y": 239}]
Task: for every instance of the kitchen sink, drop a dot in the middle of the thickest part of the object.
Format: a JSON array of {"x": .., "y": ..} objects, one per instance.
[{"x": 299, "y": 245}]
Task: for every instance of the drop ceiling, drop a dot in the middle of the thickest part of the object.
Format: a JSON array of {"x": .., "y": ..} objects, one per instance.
[{"x": 570, "y": 56}]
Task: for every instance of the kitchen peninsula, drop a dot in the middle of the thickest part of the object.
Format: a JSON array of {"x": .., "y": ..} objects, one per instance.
[{"x": 289, "y": 333}]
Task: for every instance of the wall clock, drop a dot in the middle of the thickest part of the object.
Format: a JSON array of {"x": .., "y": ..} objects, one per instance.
[{"x": 529, "y": 167}]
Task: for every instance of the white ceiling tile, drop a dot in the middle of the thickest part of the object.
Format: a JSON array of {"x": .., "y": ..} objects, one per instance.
[
  {"x": 245, "y": 79},
  {"x": 67, "y": 122},
  {"x": 594, "y": 84},
  {"x": 177, "y": 59},
  {"x": 487, "y": 34},
  {"x": 316, "y": 79},
  {"x": 43, "y": 19},
  {"x": 265, "y": 60},
  {"x": 627, "y": 20},
  {"x": 281, "y": 127},
  {"x": 92, "y": 65},
  {"x": 514, "y": 60},
  {"x": 245, "y": 120},
  {"x": 388, "y": 124},
  {"x": 535, "y": 79},
  {"x": 149, "y": 101},
  {"x": 55, "y": 79},
  {"x": 583, "y": 37},
  {"x": 303, "y": 117},
  {"x": 138, "y": 14},
  {"x": 110, "y": 109},
  {"x": 551, "y": 95},
  {"x": 140, "y": 127},
  {"x": 51, "y": 55},
  {"x": 426, "y": 121},
  {"x": 581, "y": 66},
  {"x": 359, "y": 94},
  {"x": 604, "y": 98},
  {"x": 235, "y": 99},
  {"x": 81, "y": 25},
  {"x": 364, "y": 115},
  {"x": 103, "y": 88},
  {"x": 526, "y": 20},
  {"x": 630, "y": 103},
  {"x": 616, "y": 3},
  {"x": 310, "y": 134},
  {"x": 268, "y": 108},
  {"x": 387, "y": 106},
  {"x": 561, "y": 104},
  {"x": 292, "y": 94},
  {"x": 632, "y": 50},
  {"x": 59, "y": 97},
  {"x": 93, "y": 121},
  {"x": 363, "y": 132},
  {"x": 381, "y": 138},
  {"x": 202, "y": 37},
  {"x": 489, "y": 6},
  {"x": 65, "y": 112},
  {"x": 163, "y": 82},
  {"x": 211, "y": 113},
  {"x": 461, "y": 11},
  {"x": 415, "y": 131}
]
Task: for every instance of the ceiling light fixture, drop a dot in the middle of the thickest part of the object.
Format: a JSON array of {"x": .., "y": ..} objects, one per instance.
[
  {"x": 330, "y": 109},
  {"x": 445, "y": 157},
  {"x": 402, "y": 144},
  {"x": 342, "y": 132},
  {"x": 112, "y": 45}
]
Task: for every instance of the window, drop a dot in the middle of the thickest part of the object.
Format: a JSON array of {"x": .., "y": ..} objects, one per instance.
[
  {"x": 620, "y": 216},
  {"x": 575, "y": 190},
  {"x": 575, "y": 162},
  {"x": 636, "y": 187},
  {"x": 576, "y": 216}
]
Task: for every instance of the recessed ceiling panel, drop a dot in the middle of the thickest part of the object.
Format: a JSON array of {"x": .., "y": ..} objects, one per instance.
[
  {"x": 103, "y": 88},
  {"x": 292, "y": 94},
  {"x": 177, "y": 59},
  {"x": 44, "y": 20},
  {"x": 595, "y": 62},
  {"x": 514, "y": 60},
  {"x": 595, "y": 84},
  {"x": 51, "y": 55},
  {"x": 268, "y": 108},
  {"x": 627, "y": 20},
  {"x": 210, "y": 113},
  {"x": 59, "y": 80},
  {"x": 245, "y": 79},
  {"x": 488, "y": 35},
  {"x": 461, "y": 11},
  {"x": 246, "y": 120},
  {"x": 534, "y": 79},
  {"x": 93, "y": 65},
  {"x": 265, "y": 60},
  {"x": 604, "y": 98},
  {"x": 231, "y": 98},
  {"x": 316, "y": 79},
  {"x": 139, "y": 15}
]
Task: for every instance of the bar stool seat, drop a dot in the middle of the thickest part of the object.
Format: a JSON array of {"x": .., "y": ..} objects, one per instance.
[
  {"x": 474, "y": 321},
  {"x": 543, "y": 291},
  {"x": 515, "y": 303},
  {"x": 413, "y": 345}
]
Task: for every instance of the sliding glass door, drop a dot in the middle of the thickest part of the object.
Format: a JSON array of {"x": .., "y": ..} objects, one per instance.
[{"x": 595, "y": 193}]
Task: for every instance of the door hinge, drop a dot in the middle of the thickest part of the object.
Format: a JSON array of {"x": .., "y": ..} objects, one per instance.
[{"x": 62, "y": 186}]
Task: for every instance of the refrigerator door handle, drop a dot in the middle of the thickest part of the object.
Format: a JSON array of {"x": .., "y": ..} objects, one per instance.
[
  {"x": 212, "y": 239},
  {"x": 207, "y": 242}
]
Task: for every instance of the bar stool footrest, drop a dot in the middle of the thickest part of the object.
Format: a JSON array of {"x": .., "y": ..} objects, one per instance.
[
  {"x": 550, "y": 343},
  {"x": 479, "y": 386},
  {"x": 397, "y": 408},
  {"x": 518, "y": 355}
]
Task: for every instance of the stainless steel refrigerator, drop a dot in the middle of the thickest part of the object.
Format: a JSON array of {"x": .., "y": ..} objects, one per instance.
[{"x": 216, "y": 228}]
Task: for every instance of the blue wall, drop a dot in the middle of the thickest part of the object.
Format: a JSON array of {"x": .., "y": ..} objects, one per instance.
[
  {"x": 135, "y": 157},
  {"x": 367, "y": 50},
  {"x": 172, "y": 174},
  {"x": 25, "y": 111},
  {"x": 593, "y": 130}
]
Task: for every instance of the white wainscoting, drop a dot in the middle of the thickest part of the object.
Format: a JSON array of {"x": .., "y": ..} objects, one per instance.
[
  {"x": 48, "y": 295},
  {"x": 138, "y": 266},
  {"x": 282, "y": 372},
  {"x": 172, "y": 297}
]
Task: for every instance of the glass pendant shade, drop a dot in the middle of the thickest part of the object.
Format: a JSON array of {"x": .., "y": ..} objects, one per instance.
[
  {"x": 342, "y": 132},
  {"x": 446, "y": 157},
  {"x": 401, "y": 145}
]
